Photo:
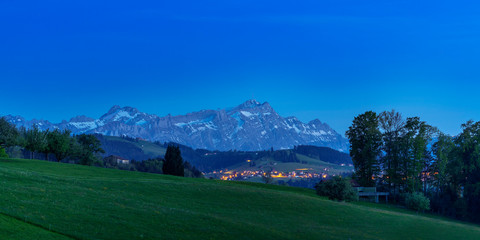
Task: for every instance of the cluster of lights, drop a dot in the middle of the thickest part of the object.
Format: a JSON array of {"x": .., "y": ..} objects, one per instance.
[
  {"x": 246, "y": 174},
  {"x": 300, "y": 173}
]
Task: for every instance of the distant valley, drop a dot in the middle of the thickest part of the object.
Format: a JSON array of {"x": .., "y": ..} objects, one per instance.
[{"x": 301, "y": 156}]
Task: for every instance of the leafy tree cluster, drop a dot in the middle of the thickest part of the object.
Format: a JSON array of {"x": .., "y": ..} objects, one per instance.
[
  {"x": 388, "y": 148},
  {"x": 85, "y": 149},
  {"x": 365, "y": 143},
  {"x": 150, "y": 165},
  {"x": 62, "y": 145},
  {"x": 409, "y": 156},
  {"x": 88, "y": 148},
  {"x": 8, "y": 134}
]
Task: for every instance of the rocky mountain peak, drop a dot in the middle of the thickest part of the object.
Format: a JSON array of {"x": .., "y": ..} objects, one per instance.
[
  {"x": 113, "y": 109},
  {"x": 130, "y": 109},
  {"x": 253, "y": 106},
  {"x": 117, "y": 113},
  {"x": 249, "y": 126},
  {"x": 316, "y": 122},
  {"x": 252, "y": 103}
]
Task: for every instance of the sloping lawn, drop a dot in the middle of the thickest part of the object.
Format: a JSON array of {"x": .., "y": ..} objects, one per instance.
[{"x": 96, "y": 203}]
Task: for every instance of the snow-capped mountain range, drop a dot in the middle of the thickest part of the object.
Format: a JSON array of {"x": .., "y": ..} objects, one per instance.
[{"x": 249, "y": 126}]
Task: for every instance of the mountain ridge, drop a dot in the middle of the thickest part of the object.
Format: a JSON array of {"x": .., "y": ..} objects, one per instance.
[{"x": 249, "y": 126}]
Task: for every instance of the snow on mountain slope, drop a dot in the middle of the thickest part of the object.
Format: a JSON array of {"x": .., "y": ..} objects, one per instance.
[{"x": 249, "y": 126}]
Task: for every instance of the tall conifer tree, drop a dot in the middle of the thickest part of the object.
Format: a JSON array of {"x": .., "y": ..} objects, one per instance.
[{"x": 173, "y": 163}]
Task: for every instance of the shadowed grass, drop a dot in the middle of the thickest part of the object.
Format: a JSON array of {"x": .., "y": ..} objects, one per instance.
[{"x": 11, "y": 228}]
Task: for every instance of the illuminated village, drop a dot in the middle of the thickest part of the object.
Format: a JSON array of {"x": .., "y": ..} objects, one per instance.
[
  {"x": 247, "y": 174},
  {"x": 253, "y": 173}
]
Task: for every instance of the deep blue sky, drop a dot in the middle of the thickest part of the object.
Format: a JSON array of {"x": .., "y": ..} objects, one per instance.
[{"x": 329, "y": 59}]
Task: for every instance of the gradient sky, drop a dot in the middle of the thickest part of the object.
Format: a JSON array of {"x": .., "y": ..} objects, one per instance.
[{"x": 329, "y": 59}]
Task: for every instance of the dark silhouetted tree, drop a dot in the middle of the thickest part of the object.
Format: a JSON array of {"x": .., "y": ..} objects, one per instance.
[
  {"x": 8, "y": 134},
  {"x": 89, "y": 147},
  {"x": 465, "y": 169},
  {"x": 35, "y": 140},
  {"x": 173, "y": 162},
  {"x": 417, "y": 154},
  {"x": 59, "y": 143},
  {"x": 392, "y": 125},
  {"x": 365, "y": 146}
]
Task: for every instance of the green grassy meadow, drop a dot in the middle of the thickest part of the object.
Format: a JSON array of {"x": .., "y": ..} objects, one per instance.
[
  {"x": 46, "y": 200},
  {"x": 11, "y": 228}
]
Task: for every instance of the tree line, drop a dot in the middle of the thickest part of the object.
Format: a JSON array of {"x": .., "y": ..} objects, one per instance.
[
  {"x": 408, "y": 157},
  {"x": 61, "y": 145},
  {"x": 58, "y": 144}
]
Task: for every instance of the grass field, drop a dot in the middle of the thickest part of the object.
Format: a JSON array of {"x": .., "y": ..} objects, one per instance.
[
  {"x": 11, "y": 228},
  {"x": 46, "y": 200}
]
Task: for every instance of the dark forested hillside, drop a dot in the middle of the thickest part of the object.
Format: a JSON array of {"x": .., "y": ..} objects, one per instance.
[
  {"x": 205, "y": 160},
  {"x": 324, "y": 153},
  {"x": 126, "y": 147}
]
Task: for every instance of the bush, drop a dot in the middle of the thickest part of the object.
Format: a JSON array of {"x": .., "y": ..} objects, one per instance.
[
  {"x": 3, "y": 154},
  {"x": 417, "y": 201},
  {"x": 337, "y": 189}
]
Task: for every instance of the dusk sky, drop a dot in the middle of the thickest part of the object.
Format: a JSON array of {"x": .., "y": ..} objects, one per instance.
[{"x": 330, "y": 60}]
